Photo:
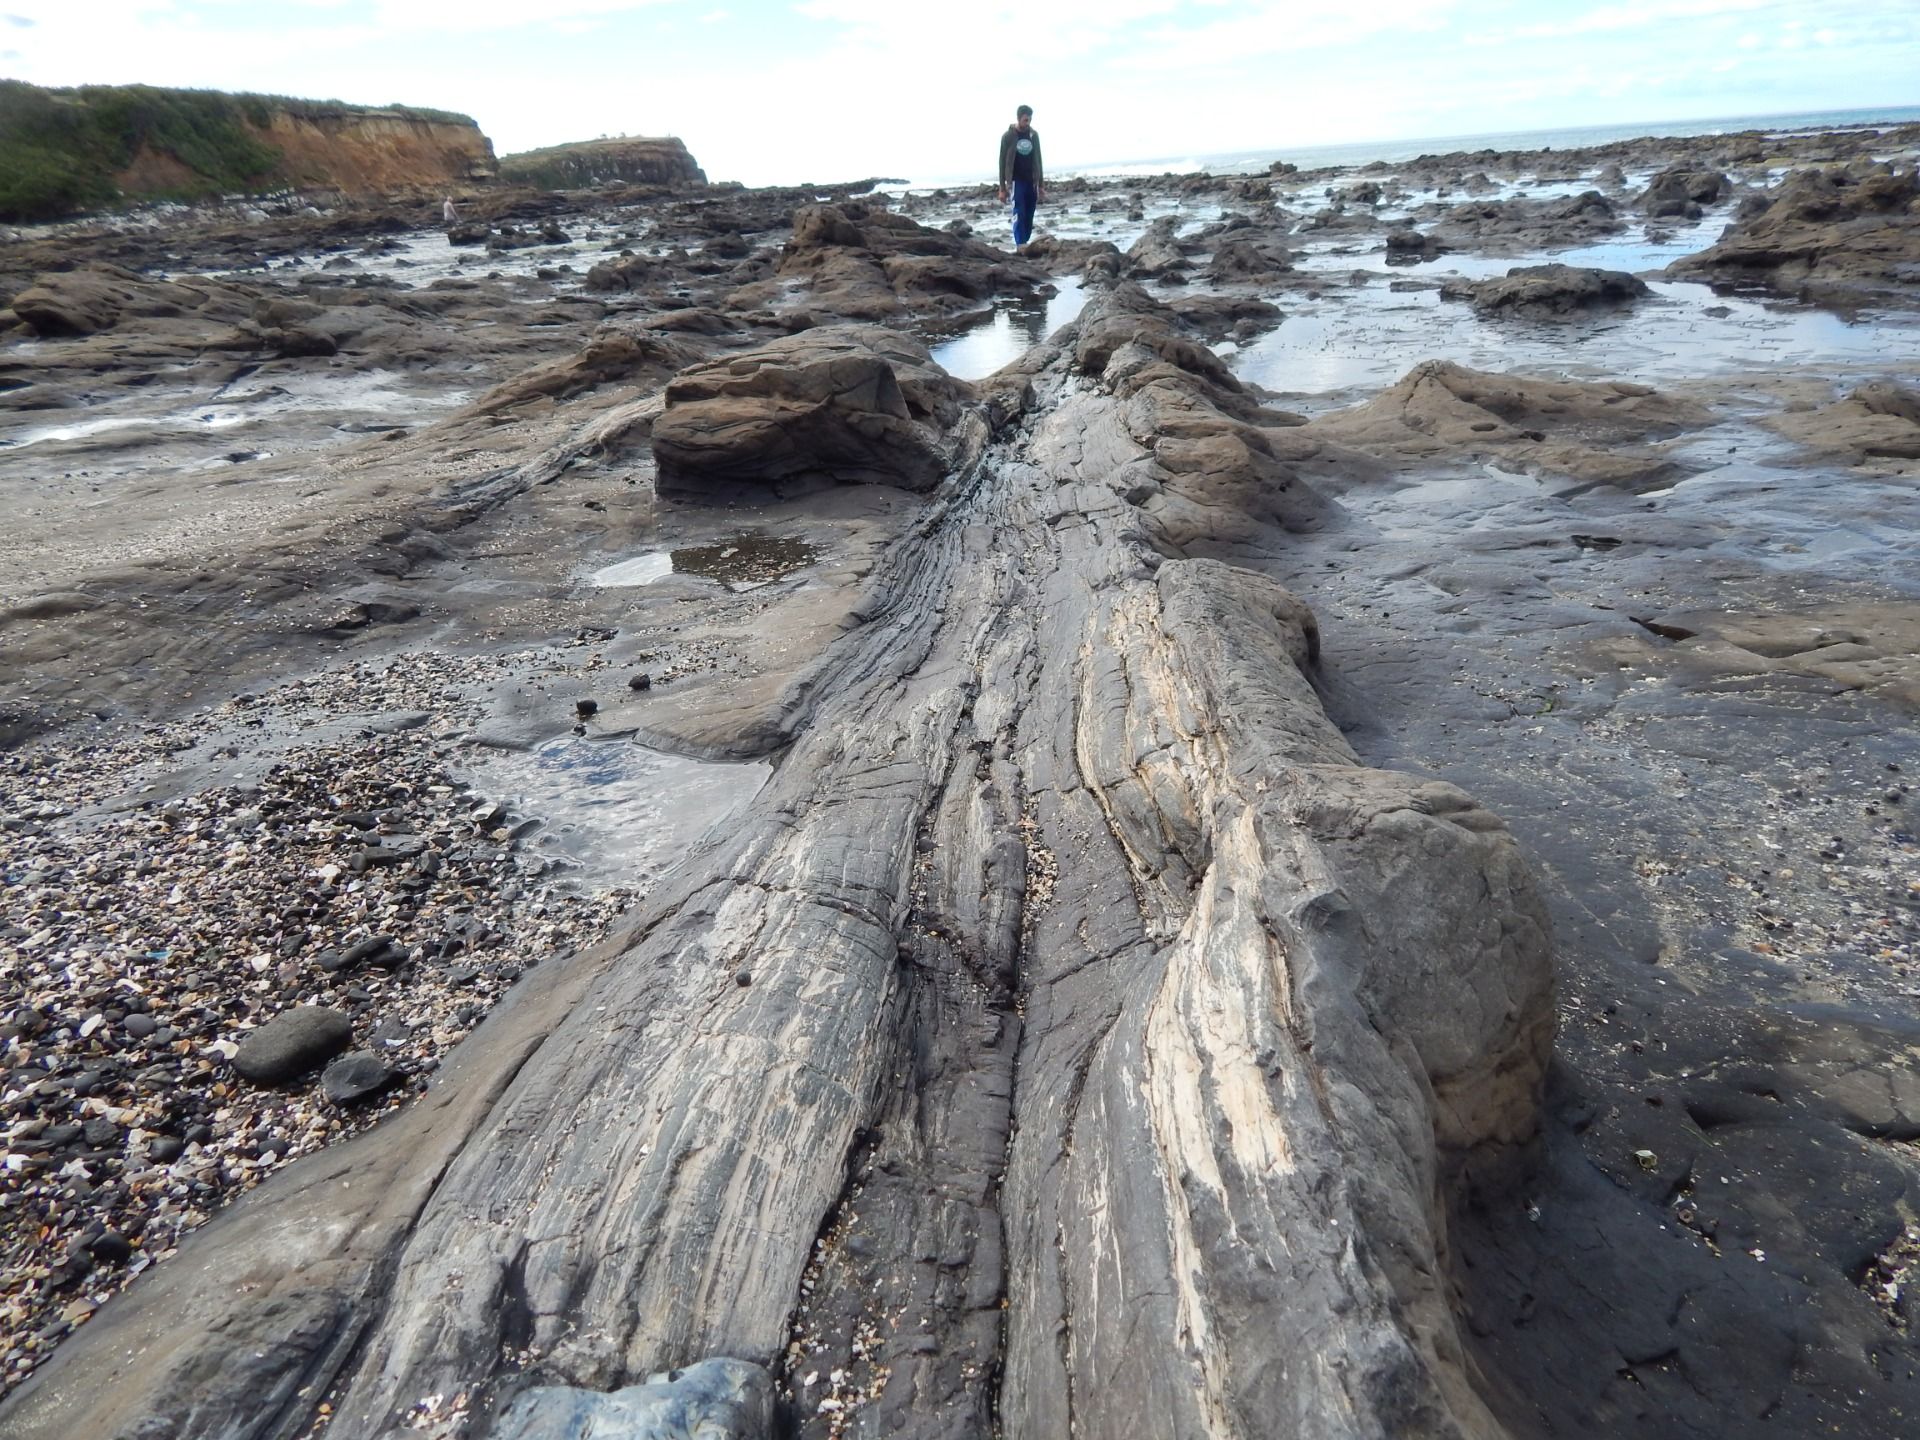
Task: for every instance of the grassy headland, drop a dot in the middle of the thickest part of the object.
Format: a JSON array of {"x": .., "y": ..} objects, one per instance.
[{"x": 61, "y": 151}]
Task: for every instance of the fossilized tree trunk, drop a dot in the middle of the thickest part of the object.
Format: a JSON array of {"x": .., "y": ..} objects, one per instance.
[{"x": 1116, "y": 1035}]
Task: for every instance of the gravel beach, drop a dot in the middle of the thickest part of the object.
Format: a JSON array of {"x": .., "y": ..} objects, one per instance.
[{"x": 144, "y": 940}]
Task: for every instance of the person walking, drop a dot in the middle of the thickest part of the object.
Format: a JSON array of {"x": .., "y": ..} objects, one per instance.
[{"x": 1021, "y": 173}]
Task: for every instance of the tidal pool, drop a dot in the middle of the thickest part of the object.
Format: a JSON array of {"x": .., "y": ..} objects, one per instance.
[
  {"x": 614, "y": 812},
  {"x": 1014, "y": 327},
  {"x": 1370, "y": 335}
]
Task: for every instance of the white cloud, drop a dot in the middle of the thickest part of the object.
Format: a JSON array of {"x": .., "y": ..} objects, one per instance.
[{"x": 458, "y": 16}]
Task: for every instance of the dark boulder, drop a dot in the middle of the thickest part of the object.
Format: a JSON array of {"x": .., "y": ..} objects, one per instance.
[
  {"x": 1682, "y": 192},
  {"x": 355, "y": 1077},
  {"x": 1547, "y": 290},
  {"x": 292, "y": 1044}
]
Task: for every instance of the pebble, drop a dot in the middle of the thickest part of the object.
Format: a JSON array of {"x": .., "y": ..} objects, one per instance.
[{"x": 356, "y": 1077}]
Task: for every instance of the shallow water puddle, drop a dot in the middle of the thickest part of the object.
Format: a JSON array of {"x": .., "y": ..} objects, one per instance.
[
  {"x": 1013, "y": 329},
  {"x": 328, "y": 393},
  {"x": 640, "y": 570},
  {"x": 744, "y": 562},
  {"x": 618, "y": 812}
]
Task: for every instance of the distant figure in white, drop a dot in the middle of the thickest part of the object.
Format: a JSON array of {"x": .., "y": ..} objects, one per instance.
[{"x": 449, "y": 215}]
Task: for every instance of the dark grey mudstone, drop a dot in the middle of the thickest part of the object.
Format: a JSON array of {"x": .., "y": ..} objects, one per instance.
[
  {"x": 354, "y": 1077},
  {"x": 293, "y": 1044}
]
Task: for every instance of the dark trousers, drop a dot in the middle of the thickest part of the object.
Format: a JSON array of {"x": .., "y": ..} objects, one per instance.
[{"x": 1025, "y": 196}]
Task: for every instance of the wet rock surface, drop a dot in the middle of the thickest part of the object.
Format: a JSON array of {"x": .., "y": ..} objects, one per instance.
[
  {"x": 1548, "y": 290},
  {"x": 836, "y": 404},
  {"x": 1847, "y": 236},
  {"x": 714, "y": 1400},
  {"x": 1116, "y": 925}
]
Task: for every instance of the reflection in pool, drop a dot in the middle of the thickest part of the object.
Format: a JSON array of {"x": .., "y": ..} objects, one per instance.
[
  {"x": 742, "y": 562},
  {"x": 1013, "y": 329}
]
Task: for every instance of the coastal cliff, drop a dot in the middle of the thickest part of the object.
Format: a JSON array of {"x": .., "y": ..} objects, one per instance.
[
  {"x": 68, "y": 151},
  {"x": 636, "y": 160}
]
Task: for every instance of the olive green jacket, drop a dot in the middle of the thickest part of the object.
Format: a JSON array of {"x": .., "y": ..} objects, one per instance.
[{"x": 1006, "y": 155}]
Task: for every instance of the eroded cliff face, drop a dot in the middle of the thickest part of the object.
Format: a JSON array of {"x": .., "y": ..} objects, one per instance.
[
  {"x": 69, "y": 151},
  {"x": 378, "y": 151},
  {"x": 361, "y": 153}
]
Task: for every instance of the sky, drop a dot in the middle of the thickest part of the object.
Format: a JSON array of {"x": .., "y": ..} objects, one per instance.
[{"x": 792, "y": 91}]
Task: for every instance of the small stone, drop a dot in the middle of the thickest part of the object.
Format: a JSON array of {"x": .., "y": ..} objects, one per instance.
[
  {"x": 361, "y": 951},
  {"x": 111, "y": 1248},
  {"x": 165, "y": 1149},
  {"x": 743, "y": 978},
  {"x": 585, "y": 708},
  {"x": 355, "y": 1077},
  {"x": 139, "y": 1026},
  {"x": 642, "y": 681},
  {"x": 102, "y": 1133}
]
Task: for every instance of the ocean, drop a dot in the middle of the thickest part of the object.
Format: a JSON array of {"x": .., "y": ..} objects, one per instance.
[{"x": 1314, "y": 157}]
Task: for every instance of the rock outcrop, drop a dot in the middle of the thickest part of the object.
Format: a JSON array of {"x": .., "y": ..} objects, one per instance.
[
  {"x": 628, "y": 160},
  {"x": 1595, "y": 432},
  {"x": 94, "y": 299},
  {"x": 1541, "y": 291},
  {"x": 840, "y": 404},
  {"x": 1878, "y": 421},
  {"x": 1072, "y": 1030},
  {"x": 1519, "y": 224},
  {"x": 860, "y": 261},
  {"x": 1681, "y": 193},
  {"x": 1841, "y": 235}
]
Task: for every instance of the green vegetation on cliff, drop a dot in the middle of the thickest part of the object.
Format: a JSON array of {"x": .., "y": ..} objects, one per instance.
[{"x": 60, "y": 150}]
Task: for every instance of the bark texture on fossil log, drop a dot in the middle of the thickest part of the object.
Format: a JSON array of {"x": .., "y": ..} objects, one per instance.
[{"x": 1113, "y": 1038}]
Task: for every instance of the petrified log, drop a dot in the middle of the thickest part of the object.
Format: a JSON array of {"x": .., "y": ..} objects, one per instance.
[{"x": 1110, "y": 1044}]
